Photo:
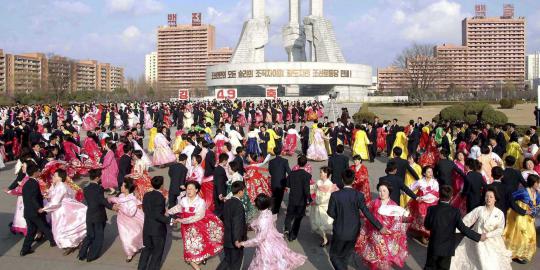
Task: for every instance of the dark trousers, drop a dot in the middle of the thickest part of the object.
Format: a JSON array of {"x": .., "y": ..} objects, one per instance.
[
  {"x": 305, "y": 146},
  {"x": 93, "y": 242},
  {"x": 173, "y": 200},
  {"x": 120, "y": 181},
  {"x": 152, "y": 252},
  {"x": 340, "y": 252},
  {"x": 33, "y": 225},
  {"x": 277, "y": 197},
  {"x": 294, "y": 216},
  {"x": 372, "y": 151},
  {"x": 437, "y": 262},
  {"x": 232, "y": 260},
  {"x": 333, "y": 146},
  {"x": 264, "y": 149},
  {"x": 389, "y": 143}
]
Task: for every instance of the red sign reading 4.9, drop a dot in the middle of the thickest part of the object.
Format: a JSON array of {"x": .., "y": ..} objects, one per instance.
[
  {"x": 271, "y": 93},
  {"x": 183, "y": 94},
  {"x": 222, "y": 94}
]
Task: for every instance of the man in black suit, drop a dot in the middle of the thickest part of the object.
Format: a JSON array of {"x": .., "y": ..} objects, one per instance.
[
  {"x": 36, "y": 155},
  {"x": 239, "y": 159},
  {"x": 402, "y": 165},
  {"x": 299, "y": 198},
  {"x": 442, "y": 220},
  {"x": 444, "y": 168},
  {"x": 177, "y": 173},
  {"x": 473, "y": 185},
  {"x": 220, "y": 184},
  {"x": 304, "y": 137},
  {"x": 333, "y": 134},
  {"x": 113, "y": 134},
  {"x": 140, "y": 134},
  {"x": 391, "y": 137},
  {"x": 338, "y": 163},
  {"x": 372, "y": 136},
  {"x": 396, "y": 183},
  {"x": 154, "y": 228},
  {"x": 279, "y": 169},
  {"x": 124, "y": 164},
  {"x": 343, "y": 208},
  {"x": 33, "y": 212},
  {"x": 414, "y": 139},
  {"x": 96, "y": 218},
  {"x": 235, "y": 229},
  {"x": 54, "y": 119},
  {"x": 210, "y": 160},
  {"x": 512, "y": 177}
]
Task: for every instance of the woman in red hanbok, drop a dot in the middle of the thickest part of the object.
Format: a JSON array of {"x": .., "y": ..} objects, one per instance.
[
  {"x": 220, "y": 139},
  {"x": 291, "y": 141},
  {"x": 431, "y": 156},
  {"x": 256, "y": 179},
  {"x": 279, "y": 116},
  {"x": 202, "y": 231},
  {"x": 89, "y": 122},
  {"x": 92, "y": 150},
  {"x": 381, "y": 139},
  {"x": 424, "y": 138},
  {"x": 459, "y": 201},
  {"x": 361, "y": 177},
  {"x": 383, "y": 251},
  {"x": 258, "y": 116},
  {"x": 140, "y": 176},
  {"x": 427, "y": 190}
]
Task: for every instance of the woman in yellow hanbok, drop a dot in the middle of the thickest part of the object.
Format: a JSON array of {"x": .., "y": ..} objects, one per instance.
[
  {"x": 179, "y": 143},
  {"x": 272, "y": 142},
  {"x": 361, "y": 143},
  {"x": 401, "y": 142},
  {"x": 515, "y": 150},
  {"x": 108, "y": 119},
  {"x": 520, "y": 232},
  {"x": 153, "y": 133},
  {"x": 409, "y": 179}
]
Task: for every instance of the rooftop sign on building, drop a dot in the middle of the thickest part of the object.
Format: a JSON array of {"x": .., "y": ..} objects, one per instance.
[
  {"x": 171, "y": 19},
  {"x": 196, "y": 19}
]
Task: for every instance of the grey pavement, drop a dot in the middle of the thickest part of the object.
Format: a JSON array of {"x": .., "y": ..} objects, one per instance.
[{"x": 47, "y": 258}]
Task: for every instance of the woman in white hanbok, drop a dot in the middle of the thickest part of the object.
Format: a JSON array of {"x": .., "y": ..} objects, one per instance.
[
  {"x": 133, "y": 119},
  {"x": 188, "y": 119},
  {"x": 321, "y": 223},
  {"x": 491, "y": 253}
]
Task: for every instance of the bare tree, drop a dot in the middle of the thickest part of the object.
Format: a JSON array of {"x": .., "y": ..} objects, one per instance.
[{"x": 422, "y": 68}]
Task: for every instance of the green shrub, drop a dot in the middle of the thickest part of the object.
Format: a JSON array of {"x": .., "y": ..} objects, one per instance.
[
  {"x": 476, "y": 107},
  {"x": 507, "y": 103},
  {"x": 471, "y": 118},
  {"x": 453, "y": 113},
  {"x": 364, "y": 115},
  {"x": 494, "y": 117}
]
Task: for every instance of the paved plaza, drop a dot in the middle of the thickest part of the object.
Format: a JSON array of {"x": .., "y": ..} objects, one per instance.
[{"x": 113, "y": 258}]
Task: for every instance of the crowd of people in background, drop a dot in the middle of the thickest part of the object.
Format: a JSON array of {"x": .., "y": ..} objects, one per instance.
[{"x": 229, "y": 173}]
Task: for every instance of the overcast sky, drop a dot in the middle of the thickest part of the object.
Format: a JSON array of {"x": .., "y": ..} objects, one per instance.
[{"x": 121, "y": 32}]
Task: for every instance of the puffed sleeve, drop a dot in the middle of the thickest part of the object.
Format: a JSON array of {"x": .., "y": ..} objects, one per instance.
[
  {"x": 496, "y": 225},
  {"x": 263, "y": 225},
  {"x": 55, "y": 201}
]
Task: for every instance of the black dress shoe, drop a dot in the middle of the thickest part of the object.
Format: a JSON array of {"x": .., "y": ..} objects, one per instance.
[
  {"x": 81, "y": 258},
  {"x": 52, "y": 244},
  {"x": 90, "y": 260},
  {"x": 24, "y": 253}
]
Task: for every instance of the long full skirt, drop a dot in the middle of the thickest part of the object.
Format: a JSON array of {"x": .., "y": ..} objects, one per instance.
[
  {"x": 19, "y": 223},
  {"x": 130, "y": 230},
  {"x": 520, "y": 234},
  {"x": 69, "y": 223},
  {"x": 202, "y": 239},
  {"x": 289, "y": 147},
  {"x": 490, "y": 254},
  {"x": 162, "y": 156},
  {"x": 207, "y": 192},
  {"x": 317, "y": 152}
]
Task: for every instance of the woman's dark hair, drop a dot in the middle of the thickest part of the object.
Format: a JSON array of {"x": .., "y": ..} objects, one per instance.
[
  {"x": 326, "y": 170},
  {"x": 446, "y": 193},
  {"x": 527, "y": 160},
  {"x": 386, "y": 184},
  {"x": 198, "y": 158},
  {"x": 263, "y": 202},
  {"x": 129, "y": 185},
  {"x": 532, "y": 179},
  {"x": 62, "y": 174},
  {"x": 194, "y": 184},
  {"x": 495, "y": 193},
  {"x": 234, "y": 166},
  {"x": 485, "y": 149},
  {"x": 424, "y": 170},
  {"x": 138, "y": 154},
  {"x": 357, "y": 157}
]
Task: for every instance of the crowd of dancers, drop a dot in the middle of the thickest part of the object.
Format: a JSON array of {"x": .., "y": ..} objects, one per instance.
[{"x": 228, "y": 176}]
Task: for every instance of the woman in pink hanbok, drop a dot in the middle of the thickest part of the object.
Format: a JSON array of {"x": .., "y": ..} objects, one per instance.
[
  {"x": 291, "y": 141},
  {"x": 317, "y": 149},
  {"x": 130, "y": 219},
  {"x": 68, "y": 216},
  {"x": 18, "y": 225},
  {"x": 163, "y": 153},
  {"x": 459, "y": 201},
  {"x": 89, "y": 122},
  {"x": 109, "y": 173},
  {"x": 148, "y": 123},
  {"x": 258, "y": 116},
  {"x": 271, "y": 251}
]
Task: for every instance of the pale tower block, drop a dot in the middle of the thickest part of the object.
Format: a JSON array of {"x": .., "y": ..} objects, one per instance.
[{"x": 258, "y": 9}]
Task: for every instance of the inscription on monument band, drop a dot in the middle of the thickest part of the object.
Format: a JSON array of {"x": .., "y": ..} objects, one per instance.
[{"x": 278, "y": 73}]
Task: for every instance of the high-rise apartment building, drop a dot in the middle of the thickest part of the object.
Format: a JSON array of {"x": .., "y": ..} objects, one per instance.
[
  {"x": 2, "y": 72},
  {"x": 185, "y": 51},
  {"x": 59, "y": 73},
  {"x": 492, "y": 52},
  {"x": 117, "y": 78},
  {"x": 533, "y": 66},
  {"x": 24, "y": 73},
  {"x": 150, "y": 67},
  {"x": 85, "y": 75},
  {"x": 103, "y": 76}
]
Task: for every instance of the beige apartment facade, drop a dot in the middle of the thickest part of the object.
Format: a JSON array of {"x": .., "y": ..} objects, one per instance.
[{"x": 2, "y": 72}]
